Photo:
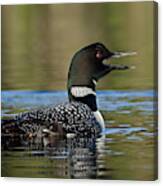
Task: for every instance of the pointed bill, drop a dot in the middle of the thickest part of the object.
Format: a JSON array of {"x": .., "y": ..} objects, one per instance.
[{"x": 123, "y": 54}]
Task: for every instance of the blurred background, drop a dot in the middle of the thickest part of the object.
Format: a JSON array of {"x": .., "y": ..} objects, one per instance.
[{"x": 38, "y": 42}]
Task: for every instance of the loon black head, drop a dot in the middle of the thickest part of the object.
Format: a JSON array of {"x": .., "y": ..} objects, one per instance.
[
  {"x": 86, "y": 69},
  {"x": 87, "y": 65}
]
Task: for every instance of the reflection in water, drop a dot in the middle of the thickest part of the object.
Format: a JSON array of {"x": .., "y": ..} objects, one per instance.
[
  {"x": 82, "y": 158},
  {"x": 71, "y": 157}
]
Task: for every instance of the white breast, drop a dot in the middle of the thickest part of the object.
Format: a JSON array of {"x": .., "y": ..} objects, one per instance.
[{"x": 100, "y": 119}]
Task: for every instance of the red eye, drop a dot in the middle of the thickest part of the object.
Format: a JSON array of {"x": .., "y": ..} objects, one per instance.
[{"x": 99, "y": 54}]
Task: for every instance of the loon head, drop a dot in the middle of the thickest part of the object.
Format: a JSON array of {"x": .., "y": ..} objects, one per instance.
[{"x": 87, "y": 67}]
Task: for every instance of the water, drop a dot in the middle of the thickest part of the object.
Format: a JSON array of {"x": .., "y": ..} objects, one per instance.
[{"x": 127, "y": 152}]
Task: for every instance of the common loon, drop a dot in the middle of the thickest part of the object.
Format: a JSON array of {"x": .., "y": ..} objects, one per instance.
[{"x": 80, "y": 116}]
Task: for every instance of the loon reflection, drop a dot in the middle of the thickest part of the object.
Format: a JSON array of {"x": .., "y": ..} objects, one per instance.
[{"x": 71, "y": 157}]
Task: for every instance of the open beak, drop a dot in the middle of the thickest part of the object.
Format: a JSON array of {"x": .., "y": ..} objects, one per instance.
[{"x": 123, "y": 54}]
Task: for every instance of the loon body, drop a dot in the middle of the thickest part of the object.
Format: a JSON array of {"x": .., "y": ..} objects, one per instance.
[{"x": 80, "y": 116}]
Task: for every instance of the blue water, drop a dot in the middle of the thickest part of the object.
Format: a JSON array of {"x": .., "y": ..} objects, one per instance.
[{"x": 107, "y": 100}]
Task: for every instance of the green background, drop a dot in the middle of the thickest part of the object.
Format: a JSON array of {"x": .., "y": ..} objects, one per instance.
[{"x": 38, "y": 42}]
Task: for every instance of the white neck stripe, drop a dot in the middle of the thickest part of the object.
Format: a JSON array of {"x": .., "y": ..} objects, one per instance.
[{"x": 81, "y": 91}]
